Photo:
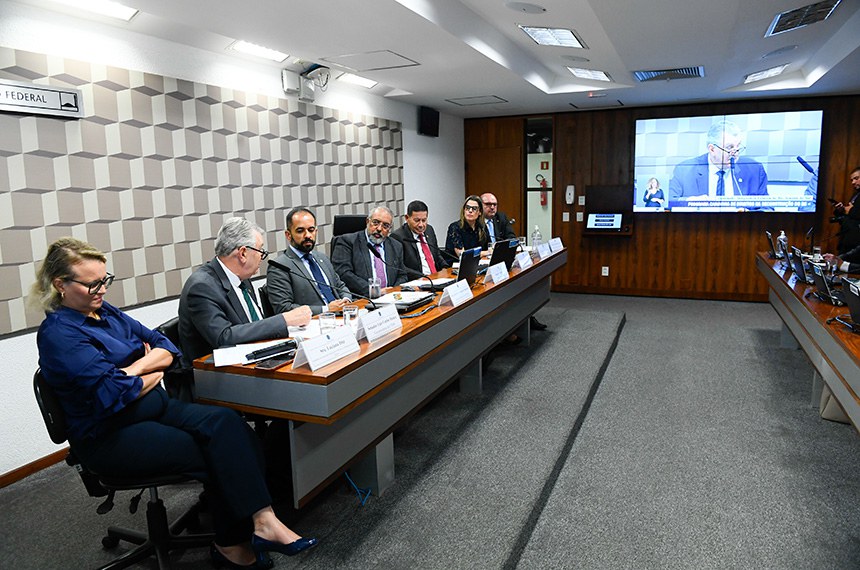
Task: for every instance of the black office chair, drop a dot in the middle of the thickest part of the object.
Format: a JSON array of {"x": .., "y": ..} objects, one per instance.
[
  {"x": 265, "y": 304},
  {"x": 160, "y": 537},
  {"x": 346, "y": 224},
  {"x": 178, "y": 380}
]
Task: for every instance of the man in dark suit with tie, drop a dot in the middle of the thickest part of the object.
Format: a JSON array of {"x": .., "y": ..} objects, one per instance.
[
  {"x": 847, "y": 215},
  {"x": 498, "y": 225},
  {"x": 719, "y": 173},
  {"x": 219, "y": 307},
  {"x": 421, "y": 251},
  {"x": 311, "y": 279},
  {"x": 369, "y": 253}
]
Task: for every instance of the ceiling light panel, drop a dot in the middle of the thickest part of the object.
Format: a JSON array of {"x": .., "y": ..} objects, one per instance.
[
  {"x": 256, "y": 50},
  {"x": 102, "y": 8},
  {"x": 357, "y": 80},
  {"x": 766, "y": 74},
  {"x": 592, "y": 74},
  {"x": 561, "y": 37}
]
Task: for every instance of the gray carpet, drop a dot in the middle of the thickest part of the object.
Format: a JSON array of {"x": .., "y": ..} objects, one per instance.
[{"x": 699, "y": 450}]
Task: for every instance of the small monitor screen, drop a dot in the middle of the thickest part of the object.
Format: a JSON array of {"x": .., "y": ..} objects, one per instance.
[{"x": 604, "y": 222}]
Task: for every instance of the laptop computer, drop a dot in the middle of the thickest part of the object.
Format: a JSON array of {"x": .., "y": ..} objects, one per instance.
[
  {"x": 851, "y": 292},
  {"x": 468, "y": 269},
  {"x": 504, "y": 251},
  {"x": 799, "y": 267},
  {"x": 773, "y": 253},
  {"x": 824, "y": 292}
]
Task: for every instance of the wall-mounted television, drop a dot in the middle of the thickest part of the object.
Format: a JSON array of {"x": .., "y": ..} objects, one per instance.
[{"x": 765, "y": 162}]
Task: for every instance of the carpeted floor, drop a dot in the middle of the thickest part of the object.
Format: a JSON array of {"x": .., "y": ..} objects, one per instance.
[{"x": 699, "y": 450}]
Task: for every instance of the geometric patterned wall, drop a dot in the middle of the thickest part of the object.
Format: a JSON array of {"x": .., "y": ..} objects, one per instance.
[{"x": 156, "y": 165}]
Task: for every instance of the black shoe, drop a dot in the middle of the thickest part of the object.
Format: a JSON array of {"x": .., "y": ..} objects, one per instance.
[
  {"x": 220, "y": 561},
  {"x": 261, "y": 545},
  {"x": 536, "y": 325}
]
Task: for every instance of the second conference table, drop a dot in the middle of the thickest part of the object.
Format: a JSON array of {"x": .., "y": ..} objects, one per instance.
[{"x": 342, "y": 416}]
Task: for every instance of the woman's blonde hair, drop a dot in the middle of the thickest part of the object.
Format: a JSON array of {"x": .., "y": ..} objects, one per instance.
[{"x": 62, "y": 255}]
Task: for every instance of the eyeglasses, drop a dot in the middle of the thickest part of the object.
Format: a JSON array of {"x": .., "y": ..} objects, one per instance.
[
  {"x": 470, "y": 208},
  {"x": 95, "y": 286},
  {"x": 490, "y": 204},
  {"x": 263, "y": 253},
  {"x": 377, "y": 224},
  {"x": 731, "y": 149}
]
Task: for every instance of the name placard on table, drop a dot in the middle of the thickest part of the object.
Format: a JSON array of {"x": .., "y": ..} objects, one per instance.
[
  {"x": 326, "y": 348},
  {"x": 377, "y": 324},
  {"x": 523, "y": 260},
  {"x": 497, "y": 273},
  {"x": 456, "y": 294},
  {"x": 555, "y": 245},
  {"x": 543, "y": 251}
]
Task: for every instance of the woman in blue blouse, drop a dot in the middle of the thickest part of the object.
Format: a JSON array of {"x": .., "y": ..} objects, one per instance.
[
  {"x": 469, "y": 231},
  {"x": 106, "y": 369}
]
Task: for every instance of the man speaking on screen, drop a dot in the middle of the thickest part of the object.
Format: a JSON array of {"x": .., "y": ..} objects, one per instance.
[{"x": 722, "y": 172}]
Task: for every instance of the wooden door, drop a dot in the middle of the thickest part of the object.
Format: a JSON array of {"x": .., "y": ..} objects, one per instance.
[{"x": 498, "y": 170}]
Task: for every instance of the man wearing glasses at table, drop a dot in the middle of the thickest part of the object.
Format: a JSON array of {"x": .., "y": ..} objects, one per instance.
[
  {"x": 722, "y": 172},
  {"x": 219, "y": 306},
  {"x": 369, "y": 253}
]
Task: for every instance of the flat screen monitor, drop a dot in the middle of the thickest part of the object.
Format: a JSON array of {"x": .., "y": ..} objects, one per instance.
[
  {"x": 607, "y": 222},
  {"x": 764, "y": 162}
]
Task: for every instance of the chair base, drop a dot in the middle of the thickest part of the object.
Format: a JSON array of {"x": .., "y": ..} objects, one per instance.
[{"x": 160, "y": 538}]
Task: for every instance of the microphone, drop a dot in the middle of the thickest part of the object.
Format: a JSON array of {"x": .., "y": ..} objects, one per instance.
[
  {"x": 407, "y": 269},
  {"x": 805, "y": 165},
  {"x": 317, "y": 283},
  {"x": 737, "y": 186},
  {"x": 810, "y": 235}
]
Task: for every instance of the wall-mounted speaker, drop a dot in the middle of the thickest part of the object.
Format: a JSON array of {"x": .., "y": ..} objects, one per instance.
[{"x": 428, "y": 122}]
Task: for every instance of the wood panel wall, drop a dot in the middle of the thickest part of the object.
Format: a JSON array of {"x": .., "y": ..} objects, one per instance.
[{"x": 702, "y": 256}]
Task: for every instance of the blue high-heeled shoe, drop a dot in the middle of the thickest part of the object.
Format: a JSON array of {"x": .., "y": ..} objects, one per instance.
[
  {"x": 260, "y": 545},
  {"x": 263, "y": 562}
]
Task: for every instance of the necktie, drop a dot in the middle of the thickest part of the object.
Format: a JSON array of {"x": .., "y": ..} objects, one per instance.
[
  {"x": 721, "y": 183},
  {"x": 490, "y": 231},
  {"x": 427, "y": 255},
  {"x": 380, "y": 267},
  {"x": 252, "y": 309},
  {"x": 325, "y": 290}
]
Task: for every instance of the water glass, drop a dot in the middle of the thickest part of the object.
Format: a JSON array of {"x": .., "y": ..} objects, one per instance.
[
  {"x": 350, "y": 315},
  {"x": 374, "y": 288},
  {"x": 328, "y": 321}
]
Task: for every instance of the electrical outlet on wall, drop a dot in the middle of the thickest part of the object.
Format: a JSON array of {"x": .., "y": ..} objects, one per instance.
[{"x": 604, "y": 271}]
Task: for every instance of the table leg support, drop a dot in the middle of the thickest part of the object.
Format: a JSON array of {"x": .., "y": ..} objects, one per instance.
[
  {"x": 786, "y": 338},
  {"x": 471, "y": 380},
  {"x": 524, "y": 332},
  {"x": 817, "y": 387},
  {"x": 376, "y": 468}
]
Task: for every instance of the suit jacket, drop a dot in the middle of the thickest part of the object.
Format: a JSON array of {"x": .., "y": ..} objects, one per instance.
[
  {"x": 211, "y": 315},
  {"x": 287, "y": 291},
  {"x": 351, "y": 259},
  {"x": 690, "y": 178},
  {"x": 502, "y": 227},
  {"x": 411, "y": 257}
]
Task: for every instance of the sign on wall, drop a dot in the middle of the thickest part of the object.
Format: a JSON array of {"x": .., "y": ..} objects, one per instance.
[{"x": 32, "y": 99}]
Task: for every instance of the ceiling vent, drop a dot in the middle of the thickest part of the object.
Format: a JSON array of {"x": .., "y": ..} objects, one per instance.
[
  {"x": 666, "y": 74},
  {"x": 794, "y": 19}
]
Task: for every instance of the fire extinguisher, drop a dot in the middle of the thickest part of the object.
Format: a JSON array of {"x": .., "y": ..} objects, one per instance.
[{"x": 542, "y": 181}]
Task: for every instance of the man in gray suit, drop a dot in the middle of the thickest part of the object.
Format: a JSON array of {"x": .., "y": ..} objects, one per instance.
[
  {"x": 218, "y": 306},
  {"x": 369, "y": 253},
  {"x": 301, "y": 276}
]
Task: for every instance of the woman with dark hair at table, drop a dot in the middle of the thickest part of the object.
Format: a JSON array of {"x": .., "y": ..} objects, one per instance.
[
  {"x": 106, "y": 369},
  {"x": 469, "y": 231}
]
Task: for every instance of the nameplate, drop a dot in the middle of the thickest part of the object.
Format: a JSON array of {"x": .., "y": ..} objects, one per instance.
[
  {"x": 498, "y": 273},
  {"x": 324, "y": 349},
  {"x": 376, "y": 324},
  {"x": 543, "y": 251},
  {"x": 555, "y": 245},
  {"x": 456, "y": 294},
  {"x": 523, "y": 260},
  {"x": 33, "y": 99}
]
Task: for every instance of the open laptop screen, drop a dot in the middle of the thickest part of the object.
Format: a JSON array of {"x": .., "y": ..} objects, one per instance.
[{"x": 468, "y": 269}]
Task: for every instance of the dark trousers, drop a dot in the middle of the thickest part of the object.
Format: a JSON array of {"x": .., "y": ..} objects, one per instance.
[{"x": 156, "y": 435}]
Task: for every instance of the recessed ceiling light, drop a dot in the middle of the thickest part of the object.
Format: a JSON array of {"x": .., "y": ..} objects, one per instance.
[
  {"x": 102, "y": 8},
  {"x": 356, "y": 80},
  {"x": 553, "y": 36},
  {"x": 592, "y": 74},
  {"x": 767, "y": 73},
  {"x": 259, "y": 51}
]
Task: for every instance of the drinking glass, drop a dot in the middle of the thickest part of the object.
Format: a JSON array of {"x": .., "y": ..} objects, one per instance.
[
  {"x": 328, "y": 321},
  {"x": 350, "y": 315},
  {"x": 374, "y": 288}
]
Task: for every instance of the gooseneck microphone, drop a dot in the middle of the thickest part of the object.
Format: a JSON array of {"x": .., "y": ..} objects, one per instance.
[
  {"x": 737, "y": 186},
  {"x": 317, "y": 283},
  {"x": 806, "y": 165},
  {"x": 403, "y": 267}
]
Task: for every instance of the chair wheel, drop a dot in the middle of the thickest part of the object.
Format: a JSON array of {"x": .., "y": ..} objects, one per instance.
[{"x": 110, "y": 542}]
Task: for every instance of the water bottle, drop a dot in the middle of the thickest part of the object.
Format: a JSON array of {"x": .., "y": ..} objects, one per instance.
[
  {"x": 782, "y": 243},
  {"x": 537, "y": 238}
]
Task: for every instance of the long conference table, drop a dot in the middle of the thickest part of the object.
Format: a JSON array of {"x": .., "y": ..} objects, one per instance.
[
  {"x": 342, "y": 416},
  {"x": 833, "y": 349}
]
